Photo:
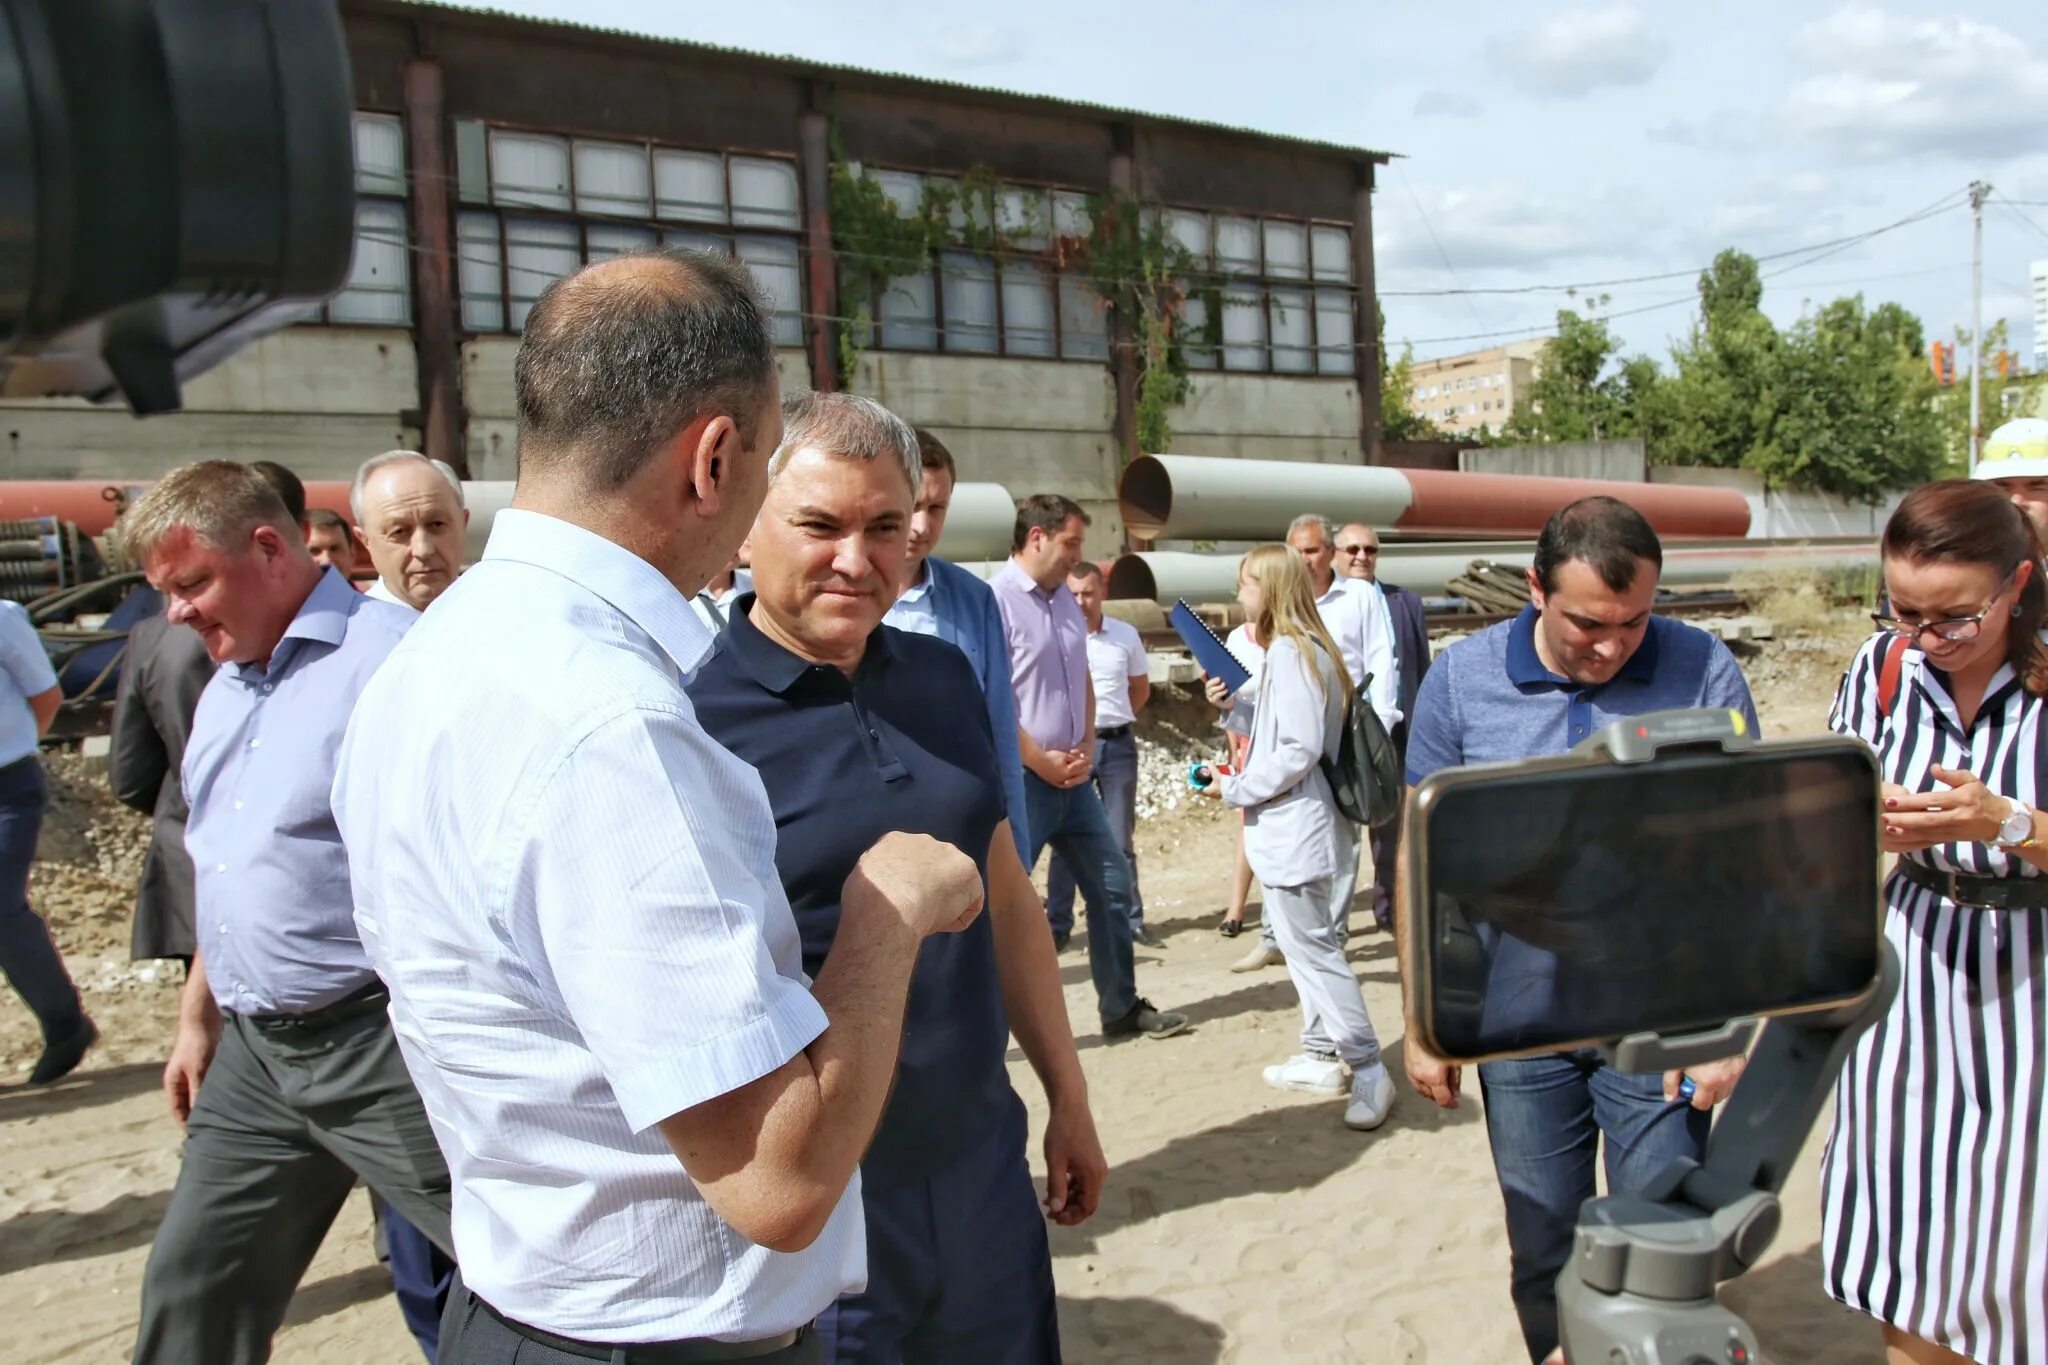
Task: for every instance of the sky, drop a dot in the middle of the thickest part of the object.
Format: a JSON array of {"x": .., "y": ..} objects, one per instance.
[{"x": 1546, "y": 146}]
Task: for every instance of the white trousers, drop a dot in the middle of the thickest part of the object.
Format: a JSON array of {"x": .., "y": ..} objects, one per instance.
[{"x": 1333, "y": 1017}]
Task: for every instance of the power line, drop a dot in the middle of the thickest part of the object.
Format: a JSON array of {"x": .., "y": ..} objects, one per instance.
[
  {"x": 1430, "y": 228},
  {"x": 1946, "y": 203},
  {"x": 2013, "y": 207}
]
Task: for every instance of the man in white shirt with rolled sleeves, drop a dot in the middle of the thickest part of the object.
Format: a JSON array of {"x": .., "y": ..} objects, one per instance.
[{"x": 652, "y": 1120}]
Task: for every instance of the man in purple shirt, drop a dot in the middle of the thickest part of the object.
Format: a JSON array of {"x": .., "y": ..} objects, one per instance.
[{"x": 1048, "y": 639}]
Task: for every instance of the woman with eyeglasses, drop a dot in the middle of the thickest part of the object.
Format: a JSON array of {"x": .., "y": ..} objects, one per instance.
[{"x": 1934, "y": 1187}]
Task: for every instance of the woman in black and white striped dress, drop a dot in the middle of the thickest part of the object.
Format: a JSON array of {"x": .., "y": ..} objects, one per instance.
[{"x": 1934, "y": 1185}]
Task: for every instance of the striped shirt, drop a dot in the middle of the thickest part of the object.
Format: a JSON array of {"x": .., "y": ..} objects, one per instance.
[
  {"x": 1935, "y": 1180},
  {"x": 570, "y": 890}
]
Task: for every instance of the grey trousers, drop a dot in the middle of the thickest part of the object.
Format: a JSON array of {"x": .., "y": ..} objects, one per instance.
[
  {"x": 1340, "y": 900},
  {"x": 1333, "y": 1017},
  {"x": 284, "y": 1126},
  {"x": 471, "y": 1336}
]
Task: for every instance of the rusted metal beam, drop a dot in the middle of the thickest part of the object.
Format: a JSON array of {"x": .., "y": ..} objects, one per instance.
[
  {"x": 443, "y": 422},
  {"x": 821, "y": 273}
]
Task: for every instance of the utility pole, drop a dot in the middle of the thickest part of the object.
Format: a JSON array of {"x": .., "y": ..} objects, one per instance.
[{"x": 1979, "y": 192}]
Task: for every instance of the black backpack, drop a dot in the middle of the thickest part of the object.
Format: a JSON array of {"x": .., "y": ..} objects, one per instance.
[{"x": 1365, "y": 777}]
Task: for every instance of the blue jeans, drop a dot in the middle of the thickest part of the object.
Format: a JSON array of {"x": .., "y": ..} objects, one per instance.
[
  {"x": 28, "y": 957},
  {"x": 1116, "y": 780},
  {"x": 1545, "y": 1117},
  {"x": 421, "y": 1276},
  {"x": 1073, "y": 822}
]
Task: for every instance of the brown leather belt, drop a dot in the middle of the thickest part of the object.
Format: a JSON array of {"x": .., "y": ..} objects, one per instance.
[{"x": 692, "y": 1352}]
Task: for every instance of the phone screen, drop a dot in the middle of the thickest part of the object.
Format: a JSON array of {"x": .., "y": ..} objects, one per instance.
[{"x": 1596, "y": 902}]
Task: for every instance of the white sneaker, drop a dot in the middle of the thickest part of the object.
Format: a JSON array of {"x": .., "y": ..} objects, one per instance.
[
  {"x": 1315, "y": 1075},
  {"x": 1372, "y": 1096}
]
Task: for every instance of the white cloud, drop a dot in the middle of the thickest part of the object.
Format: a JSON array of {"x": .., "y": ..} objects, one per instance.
[
  {"x": 1483, "y": 228},
  {"x": 1581, "y": 50},
  {"x": 1445, "y": 104},
  {"x": 1885, "y": 86},
  {"x": 978, "y": 46}
]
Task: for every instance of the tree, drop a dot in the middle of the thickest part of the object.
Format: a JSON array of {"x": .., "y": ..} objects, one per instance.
[
  {"x": 1717, "y": 406},
  {"x": 1855, "y": 412},
  {"x": 2000, "y": 396},
  {"x": 1399, "y": 421},
  {"x": 1573, "y": 396}
]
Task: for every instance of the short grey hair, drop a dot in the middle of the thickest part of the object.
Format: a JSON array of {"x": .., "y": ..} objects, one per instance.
[
  {"x": 1307, "y": 520},
  {"x": 392, "y": 457},
  {"x": 219, "y": 501},
  {"x": 847, "y": 426}
]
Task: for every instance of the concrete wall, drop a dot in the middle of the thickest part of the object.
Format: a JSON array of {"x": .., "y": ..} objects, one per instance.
[
  {"x": 1269, "y": 417},
  {"x": 494, "y": 415},
  {"x": 1623, "y": 460},
  {"x": 317, "y": 399},
  {"x": 1780, "y": 513},
  {"x": 1033, "y": 426}
]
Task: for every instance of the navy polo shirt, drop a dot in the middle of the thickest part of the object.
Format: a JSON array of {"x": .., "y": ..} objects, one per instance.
[
  {"x": 904, "y": 744},
  {"x": 1489, "y": 699}
]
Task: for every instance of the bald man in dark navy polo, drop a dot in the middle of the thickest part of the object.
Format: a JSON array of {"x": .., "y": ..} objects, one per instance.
[{"x": 858, "y": 729}]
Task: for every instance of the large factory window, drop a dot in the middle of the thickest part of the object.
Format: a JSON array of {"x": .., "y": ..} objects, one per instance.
[
  {"x": 538, "y": 205},
  {"x": 379, "y": 288},
  {"x": 1283, "y": 288}
]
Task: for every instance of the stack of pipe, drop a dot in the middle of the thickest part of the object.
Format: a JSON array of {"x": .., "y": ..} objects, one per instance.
[
  {"x": 40, "y": 555},
  {"x": 977, "y": 527}
]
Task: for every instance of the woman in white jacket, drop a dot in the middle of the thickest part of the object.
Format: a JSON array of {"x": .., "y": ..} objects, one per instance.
[{"x": 1297, "y": 840}]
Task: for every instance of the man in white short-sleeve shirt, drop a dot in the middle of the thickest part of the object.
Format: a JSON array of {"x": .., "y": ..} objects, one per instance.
[
  {"x": 652, "y": 1119},
  {"x": 1122, "y": 678}
]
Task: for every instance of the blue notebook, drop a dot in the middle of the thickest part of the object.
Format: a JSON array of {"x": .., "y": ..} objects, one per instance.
[{"x": 1212, "y": 656}]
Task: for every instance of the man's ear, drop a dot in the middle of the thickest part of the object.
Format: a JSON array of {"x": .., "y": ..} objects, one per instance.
[
  {"x": 1535, "y": 588},
  {"x": 709, "y": 448}
]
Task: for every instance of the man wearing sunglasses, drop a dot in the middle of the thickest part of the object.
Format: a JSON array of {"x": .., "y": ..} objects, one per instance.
[{"x": 1358, "y": 559}]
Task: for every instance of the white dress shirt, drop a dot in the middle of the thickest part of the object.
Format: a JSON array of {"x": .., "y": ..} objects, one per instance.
[
  {"x": 1293, "y": 832},
  {"x": 1116, "y": 655},
  {"x": 1358, "y": 621},
  {"x": 913, "y": 610},
  {"x": 570, "y": 890},
  {"x": 377, "y": 591}
]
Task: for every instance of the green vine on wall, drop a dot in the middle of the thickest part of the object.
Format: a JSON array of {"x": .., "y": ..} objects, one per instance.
[{"x": 1141, "y": 272}]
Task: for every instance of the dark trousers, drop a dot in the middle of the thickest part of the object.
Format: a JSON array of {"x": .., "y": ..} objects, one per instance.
[
  {"x": 1545, "y": 1117},
  {"x": 1386, "y": 842},
  {"x": 471, "y": 1336},
  {"x": 28, "y": 957},
  {"x": 421, "y": 1276},
  {"x": 1071, "y": 819},
  {"x": 1116, "y": 782},
  {"x": 959, "y": 1267},
  {"x": 284, "y": 1126}
]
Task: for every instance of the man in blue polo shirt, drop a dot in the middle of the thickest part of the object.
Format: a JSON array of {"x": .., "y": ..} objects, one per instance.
[
  {"x": 1586, "y": 651},
  {"x": 858, "y": 729}
]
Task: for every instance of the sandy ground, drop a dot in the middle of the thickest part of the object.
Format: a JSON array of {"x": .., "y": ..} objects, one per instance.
[{"x": 1240, "y": 1224}]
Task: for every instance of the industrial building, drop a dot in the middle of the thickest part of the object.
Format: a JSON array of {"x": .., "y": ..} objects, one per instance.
[
  {"x": 1476, "y": 391},
  {"x": 497, "y": 153}
]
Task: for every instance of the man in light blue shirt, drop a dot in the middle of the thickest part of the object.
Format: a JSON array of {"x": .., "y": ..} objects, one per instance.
[
  {"x": 284, "y": 1071},
  {"x": 945, "y": 600},
  {"x": 29, "y": 698}
]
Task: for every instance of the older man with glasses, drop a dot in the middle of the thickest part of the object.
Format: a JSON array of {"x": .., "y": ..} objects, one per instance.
[{"x": 1358, "y": 559}]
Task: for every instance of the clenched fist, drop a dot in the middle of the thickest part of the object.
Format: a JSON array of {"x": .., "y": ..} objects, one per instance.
[{"x": 929, "y": 886}]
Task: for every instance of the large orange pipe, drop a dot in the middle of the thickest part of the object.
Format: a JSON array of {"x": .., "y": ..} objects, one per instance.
[
  {"x": 1500, "y": 504},
  {"x": 92, "y": 506}
]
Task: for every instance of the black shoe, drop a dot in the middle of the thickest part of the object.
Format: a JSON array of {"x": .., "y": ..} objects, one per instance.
[
  {"x": 1059, "y": 943},
  {"x": 1144, "y": 936},
  {"x": 1143, "y": 1018},
  {"x": 61, "y": 1056}
]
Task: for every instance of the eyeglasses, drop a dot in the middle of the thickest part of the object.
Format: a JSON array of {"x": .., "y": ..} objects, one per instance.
[
  {"x": 1369, "y": 551},
  {"x": 1956, "y": 629}
]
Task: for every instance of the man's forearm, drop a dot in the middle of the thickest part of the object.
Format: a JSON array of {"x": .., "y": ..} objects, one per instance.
[
  {"x": 862, "y": 987},
  {"x": 1029, "y": 973},
  {"x": 196, "y": 1006}
]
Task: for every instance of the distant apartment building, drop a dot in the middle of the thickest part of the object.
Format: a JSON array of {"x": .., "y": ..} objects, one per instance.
[
  {"x": 2040, "y": 273},
  {"x": 1464, "y": 393}
]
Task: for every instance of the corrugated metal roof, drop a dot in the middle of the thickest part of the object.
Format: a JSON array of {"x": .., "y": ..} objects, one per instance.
[{"x": 807, "y": 65}]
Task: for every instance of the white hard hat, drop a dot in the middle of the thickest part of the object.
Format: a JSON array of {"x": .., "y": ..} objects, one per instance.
[{"x": 2017, "y": 450}]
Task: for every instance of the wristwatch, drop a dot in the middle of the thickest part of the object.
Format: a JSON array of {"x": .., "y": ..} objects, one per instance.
[{"x": 2017, "y": 829}]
